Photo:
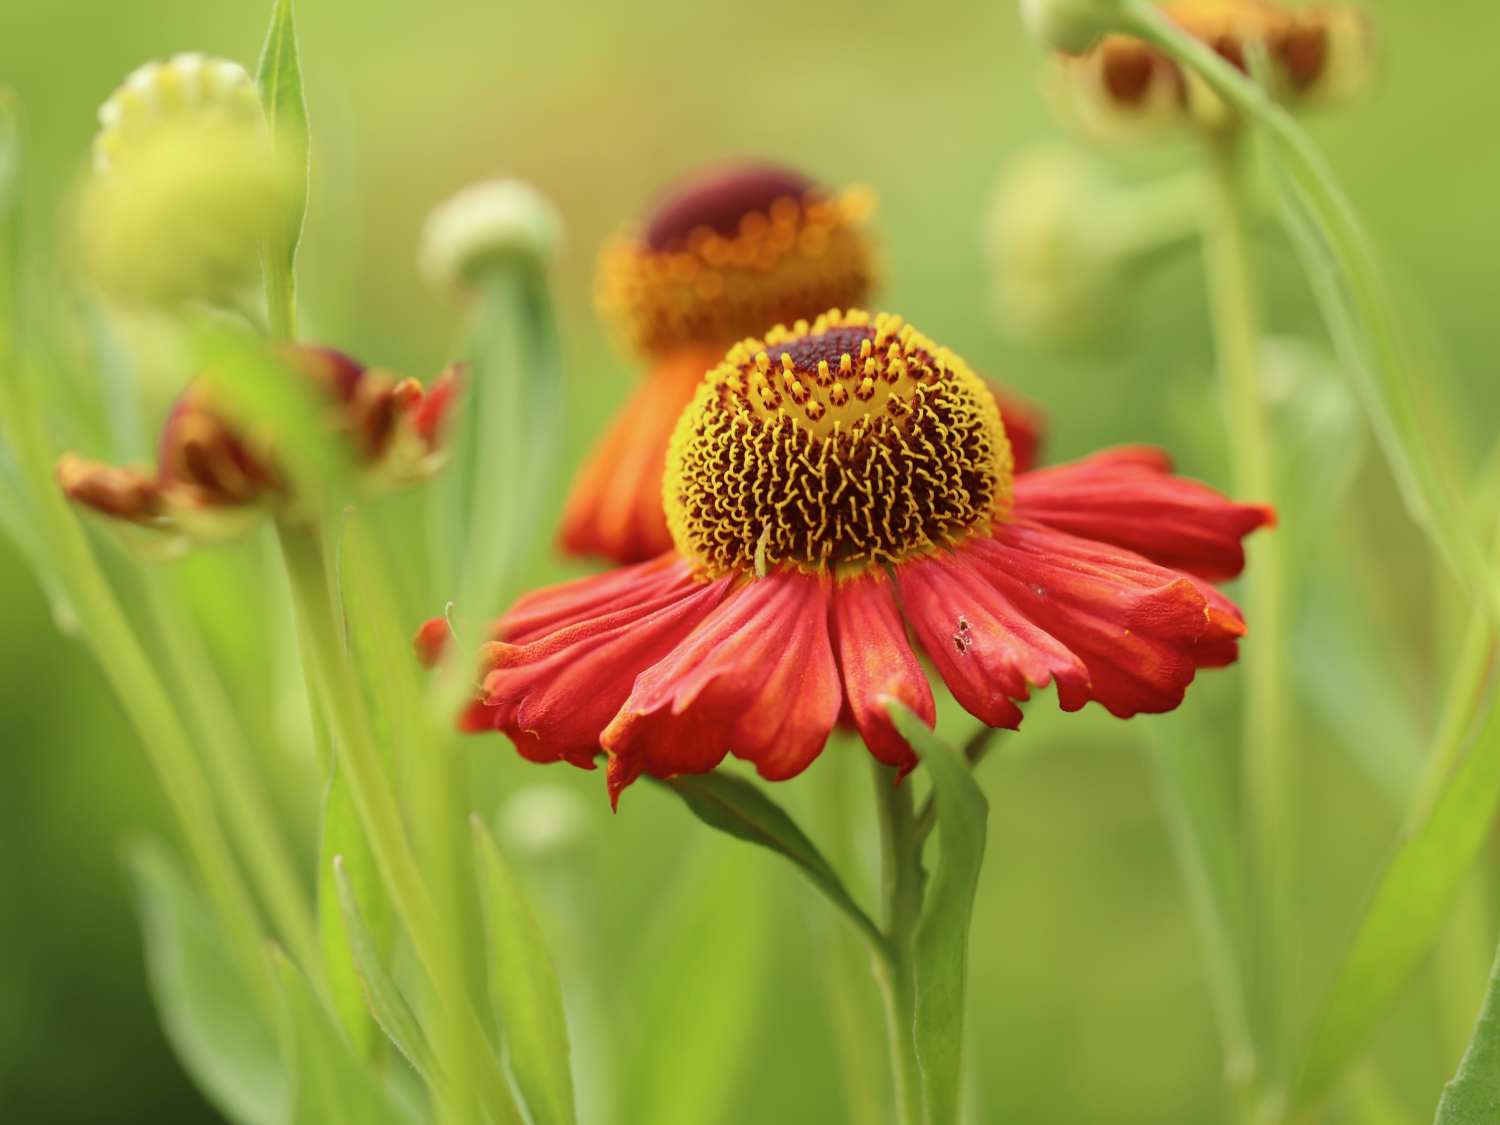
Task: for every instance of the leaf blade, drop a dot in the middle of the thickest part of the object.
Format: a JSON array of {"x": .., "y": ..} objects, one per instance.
[
  {"x": 1407, "y": 912},
  {"x": 741, "y": 809},
  {"x": 1473, "y": 1095},
  {"x": 205, "y": 1006},
  {"x": 940, "y": 946},
  {"x": 279, "y": 79},
  {"x": 524, "y": 989}
]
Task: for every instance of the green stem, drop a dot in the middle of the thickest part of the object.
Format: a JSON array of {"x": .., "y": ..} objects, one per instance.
[
  {"x": 901, "y": 887},
  {"x": 980, "y": 743},
  {"x": 458, "y": 1035},
  {"x": 281, "y": 297},
  {"x": 1268, "y": 754},
  {"x": 140, "y": 691},
  {"x": 1387, "y": 383},
  {"x": 230, "y": 759}
]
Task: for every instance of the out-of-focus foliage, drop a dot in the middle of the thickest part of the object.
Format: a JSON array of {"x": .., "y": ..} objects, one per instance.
[{"x": 1088, "y": 998}]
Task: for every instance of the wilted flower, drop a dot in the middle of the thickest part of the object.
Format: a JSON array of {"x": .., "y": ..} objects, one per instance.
[
  {"x": 485, "y": 223},
  {"x": 1311, "y": 54},
  {"x": 829, "y": 488},
  {"x": 186, "y": 185},
  {"x": 211, "y": 478}
]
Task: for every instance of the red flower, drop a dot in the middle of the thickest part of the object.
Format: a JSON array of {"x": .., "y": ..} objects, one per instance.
[
  {"x": 208, "y": 475},
  {"x": 829, "y": 491}
]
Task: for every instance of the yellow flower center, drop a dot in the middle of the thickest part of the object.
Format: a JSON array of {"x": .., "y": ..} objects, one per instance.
[{"x": 846, "y": 444}]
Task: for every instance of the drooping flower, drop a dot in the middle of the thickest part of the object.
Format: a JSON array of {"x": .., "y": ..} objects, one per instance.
[
  {"x": 1312, "y": 54},
  {"x": 727, "y": 251},
  {"x": 828, "y": 489},
  {"x": 211, "y": 479}
]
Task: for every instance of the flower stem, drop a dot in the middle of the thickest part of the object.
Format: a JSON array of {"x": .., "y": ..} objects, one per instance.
[
  {"x": 901, "y": 887},
  {"x": 228, "y": 756},
  {"x": 477, "y": 1086},
  {"x": 1268, "y": 757}
]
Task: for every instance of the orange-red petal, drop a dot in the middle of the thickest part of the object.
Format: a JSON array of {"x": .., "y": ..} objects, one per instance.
[
  {"x": 555, "y": 694},
  {"x": 614, "y": 507},
  {"x": 1128, "y": 497},
  {"x": 757, "y": 679},
  {"x": 1025, "y": 426},
  {"x": 555, "y": 607},
  {"x": 877, "y": 663}
]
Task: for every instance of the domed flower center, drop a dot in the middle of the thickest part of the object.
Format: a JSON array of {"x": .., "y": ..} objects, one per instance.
[{"x": 854, "y": 442}]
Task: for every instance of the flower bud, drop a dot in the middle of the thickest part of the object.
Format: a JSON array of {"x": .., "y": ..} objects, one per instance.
[
  {"x": 1072, "y": 26},
  {"x": 186, "y": 185},
  {"x": 1064, "y": 237},
  {"x": 485, "y": 224}
]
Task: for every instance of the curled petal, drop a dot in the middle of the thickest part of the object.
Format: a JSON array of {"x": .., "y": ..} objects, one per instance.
[
  {"x": 1128, "y": 498},
  {"x": 614, "y": 506},
  {"x": 986, "y": 648},
  {"x": 757, "y": 678},
  {"x": 1141, "y": 630},
  {"x": 877, "y": 663},
  {"x": 553, "y": 695},
  {"x": 120, "y": 493}
]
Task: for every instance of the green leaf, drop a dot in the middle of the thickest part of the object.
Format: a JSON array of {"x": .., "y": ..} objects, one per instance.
[
  {"x": 386, "y": 1003},
  {"x": 206, "y": 1008},
  {"x": 279, "y": 80},
  {"x": 1473, "y": 1097},
  {"x": 333, "y": 1086},
  {"x": 712, "y": 934},
  {"x": 524, "y": 989},
  {"x": 1410, "y": 906},
  {"x": 941, "y": 945},
  {"x": 343, "y": 836},
  {"x": 740, "y": 808}
]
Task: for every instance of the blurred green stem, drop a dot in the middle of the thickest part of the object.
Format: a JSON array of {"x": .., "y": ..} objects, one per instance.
[
  {"x": 231, "y": 761},
  {"x": 281, "y": 297},
  {"x": 1383, "y": 367},
  {"x": 478, "y": 1086},
  {"x": 140, "y": 691},
  {"x": 1268, "y": 758},
  {"x": 901, "y": 889}
]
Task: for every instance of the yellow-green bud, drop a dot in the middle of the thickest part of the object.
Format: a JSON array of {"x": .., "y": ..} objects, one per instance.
[
  {"x": 487, "y": 224},
  {"x": 1071, "y": 26},
  {"x": 186, "y": 184}
]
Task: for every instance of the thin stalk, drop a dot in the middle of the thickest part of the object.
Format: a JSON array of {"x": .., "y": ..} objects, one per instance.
[
  {"x": 1268, "y": 760},
  {"x": 281, "y": 297},
  {"x": 131, "y": 675},
  {"x": 901, "y": 890},
  {"x": 247, "y": 804},
  {"x": 459, "y": 1038},
  {"x": 1383, "y": 374}
]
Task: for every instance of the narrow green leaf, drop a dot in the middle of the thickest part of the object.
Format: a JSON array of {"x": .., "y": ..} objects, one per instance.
[
  {"x": 941, "y": 945},
  {"x": 279, "y": 80},
  {"x": 333, "y": 1086},
  {"x": 740, "y": 808},
  {"x": 206, "y": 1008},
  {"x": 385, "y": 1001},
  {"x": 1473, "y": 1097},
  {"x": 524, "y": 989},
  {"x": 1410, "y": 906},
  {"x": 342, "y": 835}
]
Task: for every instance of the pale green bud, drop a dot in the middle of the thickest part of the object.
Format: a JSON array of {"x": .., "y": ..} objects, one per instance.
[
  {"x": 1072, "y": 26},
  {"x": 488, "y": 224}
]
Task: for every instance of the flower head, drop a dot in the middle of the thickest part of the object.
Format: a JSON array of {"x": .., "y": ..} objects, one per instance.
[
  {"x": 830, "y": 488},
  {"x": 186, "y": 184},
  {"x": 731, "y": 249},
  {"x": 727, "y": 251},
  {"x": 1312, "y": 54},
  {"x": 211, "y": 477}
]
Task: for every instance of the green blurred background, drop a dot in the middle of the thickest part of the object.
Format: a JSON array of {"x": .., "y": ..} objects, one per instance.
[{"x": 1088, "y": 998}]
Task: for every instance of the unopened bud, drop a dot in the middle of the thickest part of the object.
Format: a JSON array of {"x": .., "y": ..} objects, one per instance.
[{"x": 486, "y": 224}]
